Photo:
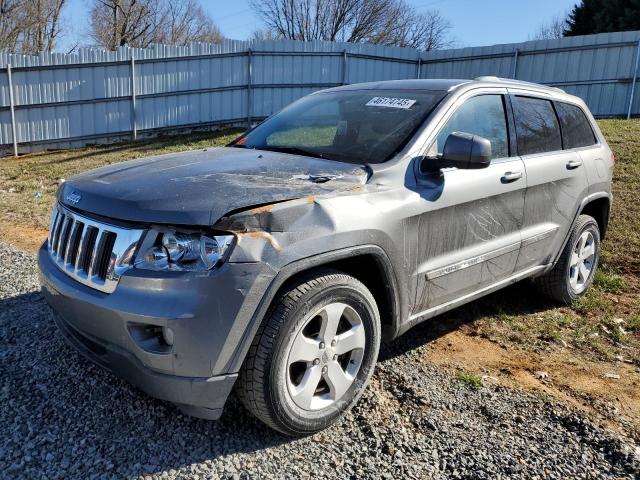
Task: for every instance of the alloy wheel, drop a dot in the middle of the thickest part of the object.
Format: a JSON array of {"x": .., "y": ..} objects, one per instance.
[
  {"x": 325, "y": 356},
  {"x": 582, "y": 261}
]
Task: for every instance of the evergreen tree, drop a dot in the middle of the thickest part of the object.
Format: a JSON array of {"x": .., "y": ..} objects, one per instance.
[{"x": 599, "y": 16}]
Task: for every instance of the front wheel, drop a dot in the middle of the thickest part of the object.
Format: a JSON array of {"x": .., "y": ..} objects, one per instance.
[
  {"x": 573, "y": 274},
  {"x": 313, "y": 355}
]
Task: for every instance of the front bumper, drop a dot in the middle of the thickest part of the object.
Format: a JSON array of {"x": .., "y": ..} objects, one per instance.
[
  {"x": 207, "y": 312},
  {"x": 201, "y": 397}
]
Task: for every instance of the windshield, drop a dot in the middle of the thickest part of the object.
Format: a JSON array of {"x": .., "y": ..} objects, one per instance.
[{"x": 354, "y": 126}]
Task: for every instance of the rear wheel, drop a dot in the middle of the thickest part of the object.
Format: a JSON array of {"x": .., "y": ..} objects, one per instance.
[
  {"x": 573, "y": 274},
  {"x": 313, "y": 355}
]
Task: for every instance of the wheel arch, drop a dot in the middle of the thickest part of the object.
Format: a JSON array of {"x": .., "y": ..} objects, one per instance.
[
  {"x": 596, "y": 205},
  {"x": 599, "y": 208},
  {"x": 367, "y": 263}
]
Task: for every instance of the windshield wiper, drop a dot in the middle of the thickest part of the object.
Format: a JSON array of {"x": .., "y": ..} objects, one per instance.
[{"x": 292, "y": 150}]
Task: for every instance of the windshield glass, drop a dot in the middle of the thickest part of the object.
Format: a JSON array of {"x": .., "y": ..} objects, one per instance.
[{"x": 354, "y": 126}]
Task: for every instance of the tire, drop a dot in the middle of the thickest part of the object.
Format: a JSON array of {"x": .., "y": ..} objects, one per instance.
[
  {"x": 276, "y": 381},
  {"x": 566, "y": 282}
]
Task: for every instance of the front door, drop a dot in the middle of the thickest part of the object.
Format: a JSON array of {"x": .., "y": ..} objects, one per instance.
[{"x": 469, "y": 226}]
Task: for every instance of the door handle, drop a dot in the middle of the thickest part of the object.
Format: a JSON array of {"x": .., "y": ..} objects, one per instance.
[
  {"x": 511, "y": 177},
  {"x": 571, "y": 164}
]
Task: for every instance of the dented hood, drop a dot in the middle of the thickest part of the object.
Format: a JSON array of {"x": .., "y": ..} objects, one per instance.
[{"x": 199, "y": 187}]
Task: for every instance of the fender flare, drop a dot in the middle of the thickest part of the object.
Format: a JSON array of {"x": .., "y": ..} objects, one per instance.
[
  {"x": 588, "y": 199},
  {"x": 299, "y": 266}
]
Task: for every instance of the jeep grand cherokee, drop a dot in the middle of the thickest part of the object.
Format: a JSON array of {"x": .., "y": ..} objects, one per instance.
[{"x": 277, "y": 264}]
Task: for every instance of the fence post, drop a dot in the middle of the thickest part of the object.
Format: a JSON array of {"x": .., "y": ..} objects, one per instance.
[
  {"x": 344, "y": 67},
  {"x": 249, "y": 91},
  {"x": 633, "y": 81},
  {"x": 515, "y": 63},
  {"x": 13, "y": 113},
  {"x": 134, "y": 129},
  {"x": 419, "y": 67}
]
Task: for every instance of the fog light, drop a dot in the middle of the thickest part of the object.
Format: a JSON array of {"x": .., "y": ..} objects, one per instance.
[{"x": 167, "y": 335}]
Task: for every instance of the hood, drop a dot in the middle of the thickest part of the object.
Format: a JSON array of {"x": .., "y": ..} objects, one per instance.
[{"x": 199, "y": 187}]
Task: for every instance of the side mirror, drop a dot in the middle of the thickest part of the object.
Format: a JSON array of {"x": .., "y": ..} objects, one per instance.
[{"x": 463, "y": 150}]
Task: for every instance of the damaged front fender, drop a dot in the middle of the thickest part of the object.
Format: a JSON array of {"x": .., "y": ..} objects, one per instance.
[{"x": 267, "y": 230}]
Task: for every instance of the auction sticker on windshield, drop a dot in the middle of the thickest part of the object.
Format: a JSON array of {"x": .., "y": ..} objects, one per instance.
[{"x": 390, "y": 102}]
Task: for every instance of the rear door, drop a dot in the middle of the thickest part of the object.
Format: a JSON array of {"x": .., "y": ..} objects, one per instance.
[
  {"x": 469, "y": 221},
  {"x": 578, "y": 135},
  {"x": 556, "y": 178}
]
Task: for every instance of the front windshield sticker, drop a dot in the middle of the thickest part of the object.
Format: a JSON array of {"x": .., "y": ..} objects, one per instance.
[{"x": 404, "y": 103}]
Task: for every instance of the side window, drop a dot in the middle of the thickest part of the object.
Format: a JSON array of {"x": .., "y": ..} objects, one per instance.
[
  {"x": 537, "y": 126},
  {"x": 483, "y": 115},
  {"x": 576, "y": 130}
]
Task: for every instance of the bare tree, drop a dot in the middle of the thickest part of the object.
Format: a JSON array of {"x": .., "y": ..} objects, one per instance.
[
  {"x": 436, "y": 33},
  {"x": 139, "y": 23},
  {"x": 30, "y": 26},
  {"x": 552, "y": 29},
  {"x": 125, "y": 22},
  {"x": 11, "y": 24},
  {"x": 263, "y": 34},
  {"x": 384, "y": 22},
  {"x": 407, "y": 28},
  {"x": 45, "y": 25},
  {"x": 185, "y": 22}
]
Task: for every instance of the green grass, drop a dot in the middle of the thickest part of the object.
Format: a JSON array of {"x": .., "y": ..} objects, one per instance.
[
  {"x": 606, "y": 281},
  {"x": 621, "y": 248},
  {"x": 633, "y": 323},
  {"x": 553, "y": 325},
  {"x": 472, "y": 380},
  {"x": 592, "y": 302}
]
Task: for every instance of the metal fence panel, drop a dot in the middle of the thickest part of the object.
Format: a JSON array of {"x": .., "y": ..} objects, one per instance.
[{"x": 66, "y": 100}]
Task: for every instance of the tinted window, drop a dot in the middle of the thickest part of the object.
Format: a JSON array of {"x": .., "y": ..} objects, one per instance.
[
  {"x": 484, "y": 116},
  {"x": 537, "y": 126},
  {"x": 576, "y": 130},
  {"x": 355, "y": 126}
]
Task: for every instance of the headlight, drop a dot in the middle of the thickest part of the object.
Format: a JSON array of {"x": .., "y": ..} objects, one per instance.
[{"x": 175, "y": 250}]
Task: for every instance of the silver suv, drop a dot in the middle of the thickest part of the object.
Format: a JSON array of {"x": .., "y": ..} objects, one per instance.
[{"x": 277, "y": 264}]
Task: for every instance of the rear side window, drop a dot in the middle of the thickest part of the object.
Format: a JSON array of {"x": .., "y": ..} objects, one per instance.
[
  {"x": 537, "y": 126},
  {"x": 576, "y": 130}
]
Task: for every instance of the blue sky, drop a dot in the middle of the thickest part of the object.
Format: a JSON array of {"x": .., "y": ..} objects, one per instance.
[{"x": 475, "y": 22}]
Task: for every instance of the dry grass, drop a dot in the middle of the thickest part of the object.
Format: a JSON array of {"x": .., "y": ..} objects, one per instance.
[{"x": 28, "y": 183}]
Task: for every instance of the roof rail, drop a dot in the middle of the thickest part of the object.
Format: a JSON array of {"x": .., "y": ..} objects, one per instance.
[{"x": 491, "y": 78}]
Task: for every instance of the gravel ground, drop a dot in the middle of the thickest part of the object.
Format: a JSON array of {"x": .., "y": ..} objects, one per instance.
[{"x": 63, "y": 417}]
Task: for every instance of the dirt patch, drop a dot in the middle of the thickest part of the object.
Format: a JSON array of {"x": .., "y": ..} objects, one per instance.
[
  {"x": 581, "y": 382},
  {"x": 25, "y": 237}
]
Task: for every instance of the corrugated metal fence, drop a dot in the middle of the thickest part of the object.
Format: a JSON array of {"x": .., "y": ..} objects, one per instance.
[{"x": 96, "y": 96}]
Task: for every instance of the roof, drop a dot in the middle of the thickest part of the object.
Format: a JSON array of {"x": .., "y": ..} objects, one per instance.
[
  {"x": 412, "y": 84},
  {"x": 443, "y": 84},
  {"x": 509, "y": 82}
]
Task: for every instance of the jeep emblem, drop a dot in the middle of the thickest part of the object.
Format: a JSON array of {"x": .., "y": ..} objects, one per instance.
[{"x": 73, "y": 197}]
